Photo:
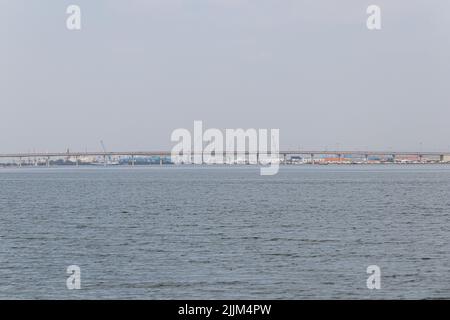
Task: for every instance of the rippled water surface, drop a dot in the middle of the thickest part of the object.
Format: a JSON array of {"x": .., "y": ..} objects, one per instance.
[{"x": 225, "y": 232}]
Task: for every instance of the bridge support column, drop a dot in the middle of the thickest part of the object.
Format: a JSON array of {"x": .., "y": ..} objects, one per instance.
[
  {"x": 132, "y": 160},
  {"x": 312, "y": 158},
  {"x": 366, "y": 158},
  {"x": 420, "y": 158},
  {"x": 393, "y": 158},
  {"x": 160, "y": 160},
  {"x": 284, "y": 158},
  {"x": 76, "y": 161},
  {"x": 104, "y": 160},
  {"x": 47, "y": 162},
  {"x": 20, "y": 162},
  {"x": 441, "y": 158}
]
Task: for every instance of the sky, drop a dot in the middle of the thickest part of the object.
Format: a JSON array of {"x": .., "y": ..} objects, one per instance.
[{"x": 139, "y": 69}]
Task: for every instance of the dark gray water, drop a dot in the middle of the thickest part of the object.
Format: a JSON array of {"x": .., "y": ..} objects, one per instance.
[{"x": 174, "y": 232}]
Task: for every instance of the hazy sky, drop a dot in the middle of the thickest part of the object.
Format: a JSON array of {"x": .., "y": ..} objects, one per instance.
[{"x": 139, "y": 69}]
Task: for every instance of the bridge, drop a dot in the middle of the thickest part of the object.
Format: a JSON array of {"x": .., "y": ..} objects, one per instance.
[{"x": 162, "y": 153}]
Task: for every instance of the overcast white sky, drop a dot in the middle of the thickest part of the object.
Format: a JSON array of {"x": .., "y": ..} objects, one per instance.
[{"x": 140, "y": 69}]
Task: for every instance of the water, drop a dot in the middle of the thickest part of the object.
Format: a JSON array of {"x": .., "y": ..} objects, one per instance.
[{"x": 225, "y": 232}]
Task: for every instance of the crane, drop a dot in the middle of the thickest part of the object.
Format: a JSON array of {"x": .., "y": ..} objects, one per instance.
[{"x": 104, "y": 150}]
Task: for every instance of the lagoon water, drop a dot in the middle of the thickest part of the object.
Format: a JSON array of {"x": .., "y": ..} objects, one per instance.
[{"x": 308, "y": 232}]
